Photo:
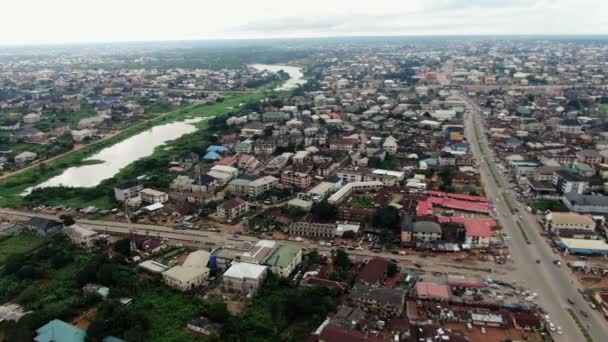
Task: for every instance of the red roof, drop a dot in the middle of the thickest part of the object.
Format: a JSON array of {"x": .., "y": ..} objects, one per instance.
[
  {"x": 481, "y": 227},
  {"x": 374, "y": 271},
  {"x": 334, "y": 333},
  {"x": 427, "y": 289},
  {"x": 227, "y": 161},
  {"x": 424, "y": 207},
  {"x": 457, "y": 196}
]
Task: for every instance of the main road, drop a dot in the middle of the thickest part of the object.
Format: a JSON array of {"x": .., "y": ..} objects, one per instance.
[{"x": 554, "y": 285}]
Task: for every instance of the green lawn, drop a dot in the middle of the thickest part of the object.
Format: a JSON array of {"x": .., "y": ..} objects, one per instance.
[
  {"x": 544, "y": 205},
  {"x": 361, "y": 202},
  {"x": 17, "y": 244}
]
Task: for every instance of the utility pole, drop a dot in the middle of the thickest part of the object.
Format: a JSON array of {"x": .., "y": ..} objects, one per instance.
[{"x": 131, "y": 235}]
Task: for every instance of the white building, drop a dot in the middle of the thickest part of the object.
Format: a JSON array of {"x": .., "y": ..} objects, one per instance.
[
  {"x": 192, "y": 273},
  {"x": 80, "y": 236},
  {"x": 244, "y": 277},
  {"x": 152, "y": 196}
]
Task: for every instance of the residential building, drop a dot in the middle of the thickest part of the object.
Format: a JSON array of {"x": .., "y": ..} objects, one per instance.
[
  {"x": 192, "y": 273},
  {"x": 80, "y": 236},
  {"x": 390, "y": 145},
  {"x": 589, "y": 156},
  {"x": 567, "y": 182},
  {"x": 343, "y": 144},
  {"x": 261, "y": 185},
  {"x": 32, "y": 118},
  {"x": 384, "y": 301},
  {"x": 557, "y": 221},
  {"x": 232, "y": 209},
  {"x": 152, "y": 196},
  {"x": 315, "y": 230},
  {"x": 349, "y": 188},
  {"x": 374, "y": 272},
  {"x": 43, "y": 226},
  {"x": 297, "y": 179},
  {"x": 24, "y": 158},
  {"x": 426, "y": 231},
  {"x": 59, "y": 331},
  {"x": 244, "y": 277},
  {"x": 126, "y": 191},
  {"x": 285, "y": 259},
  {"x": 593, "y": 204}
]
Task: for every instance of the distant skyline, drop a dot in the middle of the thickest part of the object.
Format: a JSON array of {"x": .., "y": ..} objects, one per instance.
[{"x": 27, "y": 22}]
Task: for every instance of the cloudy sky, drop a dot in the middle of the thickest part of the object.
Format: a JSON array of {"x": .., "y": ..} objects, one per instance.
[{"x": 68, "y": 21}]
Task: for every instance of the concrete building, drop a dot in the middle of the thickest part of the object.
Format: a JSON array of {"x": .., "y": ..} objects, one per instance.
[
  {"x": 126, "y": 191},
  {"x": 297, "y": 179},
  {"x": 313, "y": 230},
  {"x": 349, "y": 188},
  {"x": 152, "y": 196},
  {"x": 557, "y": 221},
  {"x": 80, "y": 236},
  {"x": 285, "y": 260},
  {"x": 244, "y": 277},
  {"x": 426, "y": 231},
  {"x": 24, "y": 158},
  {"x": 192, "y": 273},
  {"x": 390, "y": 145},
  {"x": 232, "y": 209},
  {"x": 261, "y": 185}
]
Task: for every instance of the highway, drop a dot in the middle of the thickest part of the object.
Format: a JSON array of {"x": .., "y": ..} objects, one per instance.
[{"x": 553, "y": 284}]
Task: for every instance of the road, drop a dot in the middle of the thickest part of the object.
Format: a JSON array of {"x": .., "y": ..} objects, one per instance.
[
  {"x": 554, "y": 285},
  {"x": 208, "y": 239}
]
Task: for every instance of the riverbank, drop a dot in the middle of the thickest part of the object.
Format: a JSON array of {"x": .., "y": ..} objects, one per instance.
[{"x": 11, "y": 187}]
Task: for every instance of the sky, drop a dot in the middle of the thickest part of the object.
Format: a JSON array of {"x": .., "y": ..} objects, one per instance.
[{"x": 71, "y": 21}]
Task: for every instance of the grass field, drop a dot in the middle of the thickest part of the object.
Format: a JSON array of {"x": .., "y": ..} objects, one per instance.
[{"x": 17, "y": 244}]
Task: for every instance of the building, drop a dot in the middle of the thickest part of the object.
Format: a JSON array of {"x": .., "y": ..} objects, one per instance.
[
  {"x": 349, "y": 188},
  {"x": 127, "y": 191},
  {"x": 313, "y": 230},
  {"x": 232, "y": 209},
  {"x": 426, "y": 231},
  {"x": 343, "y": 144},
  {"x": 80, "y": 236},
  {"x": 407, "y": 229},
  {"x": 24, "y": 158},
  {"x": 32, "y": 118},
  {"x": 204, "y": 326},
  {"x": 284, "y": 260},
  {"x": 390, "y": 145},
  {"x": 583, "y": 246},
  {"x": 593, "y": 204},
  {"x": 374, "y": 272},
  {"x": 380, "y": 300},
  {"x": 297, "y": 179},
  {"x": 570, "y": 126},
  {"x": 569, "y": 221},
  {"x": 59, "y": 331},
  {"x": 567, "y": 182},
  {"x": 43, "y": 226},
  {"x": 152, "y": 196},
  {"x": 261, "y": 185},
  {"x": 588, "y": 156},
  {"x": 192, "y": 273},
  {"x": 244, "y": 277}
]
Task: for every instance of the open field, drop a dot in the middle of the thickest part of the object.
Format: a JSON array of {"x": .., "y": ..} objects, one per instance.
[{"x": 18, "y": 244}]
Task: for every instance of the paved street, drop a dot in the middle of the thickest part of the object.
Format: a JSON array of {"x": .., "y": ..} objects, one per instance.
[{"x": 554, "y": 285}]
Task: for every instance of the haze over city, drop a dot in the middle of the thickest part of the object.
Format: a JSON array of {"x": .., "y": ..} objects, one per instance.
[{"x": 70, "y": 21}]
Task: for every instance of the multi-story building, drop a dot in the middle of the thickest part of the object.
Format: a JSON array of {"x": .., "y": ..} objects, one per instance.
[
  {"x": 126, "y": 191},
  {"x": 152, "y": 196},
  {"x": 284, "y": 260},
  {"x": 297, "y": 179},
  {"x": 232, "y": 209},
  {"x": 567, "y": 182},
  {"x": 383, "y": 301},
  {"x": 261, "y": 185},
  {"x": 315, "y": 230},
  {"x": 244, "y": 277}
]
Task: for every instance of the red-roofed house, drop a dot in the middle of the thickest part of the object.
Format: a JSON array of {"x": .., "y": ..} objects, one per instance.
[
  {"x": 227, "y": 161},
  {"x": 478, "y": 231},
  {"x": 432, "y": 290},
  {"x": 374, "y": 272},
  {"x": 247, "y": 162}
]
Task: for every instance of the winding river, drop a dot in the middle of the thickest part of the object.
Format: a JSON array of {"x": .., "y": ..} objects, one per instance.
[{"x": 295, "y": 73}]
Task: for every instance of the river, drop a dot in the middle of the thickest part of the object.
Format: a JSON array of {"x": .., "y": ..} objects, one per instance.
[
  {"x": 119, "y": 155},
  {"x": 296, "y": 76}
]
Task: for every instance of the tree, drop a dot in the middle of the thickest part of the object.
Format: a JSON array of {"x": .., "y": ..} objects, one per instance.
[
  {"x": 217, "y": 311},
  {"x": 68, "y": 220},
  {"x": 341, "y": 259},
  {"x": 349, "y": 234},
  {"x": 392, "y": 269},
  {"x": 386, "y": 217},
  {"x": 122, "y": 246},
  {"x": 324, "y": 211}
]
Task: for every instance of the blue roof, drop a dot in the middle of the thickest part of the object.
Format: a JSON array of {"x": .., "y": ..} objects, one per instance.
[
  {"x": 212, "y": 156},
  {"x": 59, "y": 331},
  {"x": 113, "y": 339},
  {"x": 431, "y": 161},
  {"x": 216, "y": 148}
]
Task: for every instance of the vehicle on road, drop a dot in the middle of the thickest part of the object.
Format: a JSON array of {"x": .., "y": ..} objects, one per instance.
[
  {"x": 570, "y": 301},
  {"x": 538, "y": 261},
  {"x": 584, "y": 313}
]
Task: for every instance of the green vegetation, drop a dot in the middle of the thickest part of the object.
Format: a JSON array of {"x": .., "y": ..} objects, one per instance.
[
  {"x": 361, "y": 202},
  {"x": 341, "y": 263},
  {"x": 324, "y": 212},
  {"x": 545, "y": 204},
  {"x": 19, "y": 244},
  {"x": 523, "y": 233},
  {"x": 580, "y": 325}
]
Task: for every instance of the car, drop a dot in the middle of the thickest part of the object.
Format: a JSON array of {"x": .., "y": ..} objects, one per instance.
[
  {"x": 570, "y": 301},
  {"x": 538, "y": 261},
  {"x": 584, "y": 313}
]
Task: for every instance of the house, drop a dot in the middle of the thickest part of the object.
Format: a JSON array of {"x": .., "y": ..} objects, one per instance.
[
  {"x": 284, "y": 260},
  {"x": 152, "y": 196},
  {"x": 203, "y": 325},
  {"x": 223, "y": 173},
  {"x": 570, "y": 126},
  {"x": 217, "y": 149},
  {"x": 232, "y": 209},
  {"x": 81, "y": 135},
  {"x": 447, "y": 159},
  {"x": 247, "y": 162},
  {"x": 212, "y": 155},
  {"x": 588, "y": 156},
  {"x": 343, "y": 144},
  {"x": 127, "y": 191},
  {"x": 43, "y": 226},
  {"x": 426, "y": 231},
  {"x": 80, "y": 236},
  {"x": 24, "y": 158},
  {"x": 374, "y": 272},
  {"x": 32, "y": 118},
  {"x": 59, "y": 331},
  {"x": 383, "y": 301},
  {"x": 192, "y": 273},
  {"x": 244, "y": 277},
  {"x": 407, "y": 229},
  {"x": 297, "y": 179},
  {"x": 390, "y": 145},
  {"x": 244, "y": 147}
]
